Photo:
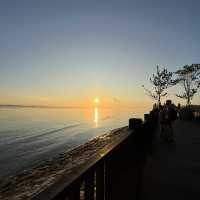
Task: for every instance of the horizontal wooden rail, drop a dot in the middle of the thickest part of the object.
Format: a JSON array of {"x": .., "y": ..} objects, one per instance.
[{"x": 97, "y": 177}]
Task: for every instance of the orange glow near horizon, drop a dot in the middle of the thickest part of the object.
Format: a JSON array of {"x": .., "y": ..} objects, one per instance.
[
  {"x": 89, "y": 100},
  {"x": 105, "y": 102}
]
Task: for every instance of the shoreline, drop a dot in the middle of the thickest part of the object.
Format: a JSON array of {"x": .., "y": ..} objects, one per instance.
[{"x": 24, "y": 185}]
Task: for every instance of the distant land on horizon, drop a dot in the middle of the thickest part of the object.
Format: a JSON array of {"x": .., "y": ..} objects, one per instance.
[
  {"x": 37, "y": 106},
  {"x": 56, "y": 107}
]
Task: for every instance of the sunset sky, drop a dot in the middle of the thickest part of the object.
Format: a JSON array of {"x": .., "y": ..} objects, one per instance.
[{"x": 68, "y": 52}]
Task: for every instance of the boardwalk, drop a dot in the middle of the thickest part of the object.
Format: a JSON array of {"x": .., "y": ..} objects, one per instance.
[{"x": 173, "y": 172}]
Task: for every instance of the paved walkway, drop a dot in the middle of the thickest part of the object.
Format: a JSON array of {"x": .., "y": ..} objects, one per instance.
[{"x": 173, "y": 171}]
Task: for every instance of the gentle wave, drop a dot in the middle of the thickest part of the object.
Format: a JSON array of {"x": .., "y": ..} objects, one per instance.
[
  {"x": 28, "y": 139},
  {"x": 54, "y": 131}
]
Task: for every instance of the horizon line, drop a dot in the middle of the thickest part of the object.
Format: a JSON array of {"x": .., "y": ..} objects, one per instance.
[
  {"x": 56, "y": 107},
  {"x": 38, "y": 106}
]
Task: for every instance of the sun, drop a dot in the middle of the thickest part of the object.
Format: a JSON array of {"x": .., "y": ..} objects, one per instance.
[{"x": 96, "y": 100}]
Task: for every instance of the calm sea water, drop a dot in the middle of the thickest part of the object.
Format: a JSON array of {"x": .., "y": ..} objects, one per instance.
[{"x": 29, "y": 136}]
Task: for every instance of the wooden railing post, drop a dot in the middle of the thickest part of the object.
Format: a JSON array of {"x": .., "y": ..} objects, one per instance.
[
  {"x": 146, "y": 117},
  {"x": 100, "y": 182},
  {"x": 135, "y": 123},
  {"x": 74, "y": 193},
  {"x": 89, "y": 185},
  {"x": 108, "y": 179}
]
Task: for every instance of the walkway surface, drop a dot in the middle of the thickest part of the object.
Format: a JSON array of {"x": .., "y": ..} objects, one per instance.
[{"x": 173, "y": 171}]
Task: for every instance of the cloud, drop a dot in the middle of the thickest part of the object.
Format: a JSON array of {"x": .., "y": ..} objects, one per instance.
[{"x": 116, "y": 100}]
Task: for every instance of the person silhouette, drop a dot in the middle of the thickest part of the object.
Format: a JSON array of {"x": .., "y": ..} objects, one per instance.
[{"x": 170, "y": 115}]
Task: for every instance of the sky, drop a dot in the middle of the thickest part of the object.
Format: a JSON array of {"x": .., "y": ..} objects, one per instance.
[{"x": 67, "y": 52}]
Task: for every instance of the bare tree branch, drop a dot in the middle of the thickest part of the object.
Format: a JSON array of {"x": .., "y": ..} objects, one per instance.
[
  {"x": 161, "y": 81},
  {"x": 189, "y": 78}
]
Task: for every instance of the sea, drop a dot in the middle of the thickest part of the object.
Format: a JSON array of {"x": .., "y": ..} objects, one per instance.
[{"x": 29, "y": 136}]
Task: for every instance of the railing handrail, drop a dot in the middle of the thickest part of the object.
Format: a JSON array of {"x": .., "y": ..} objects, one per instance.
[{"x": 68, "y": 178}]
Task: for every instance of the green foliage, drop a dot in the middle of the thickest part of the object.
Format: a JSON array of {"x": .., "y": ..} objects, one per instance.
[
  {"x": 161, "y": 80},
  {"x": 189, "y": 78}
]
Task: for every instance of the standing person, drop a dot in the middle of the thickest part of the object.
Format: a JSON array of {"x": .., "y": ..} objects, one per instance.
[
  {"x": 162, "y": 120},
  {"x": 155, "y": 112},
  {"x": 170, "y": 116}
]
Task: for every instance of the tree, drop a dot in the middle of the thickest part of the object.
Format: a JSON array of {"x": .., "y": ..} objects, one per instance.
[
  {"x": 161, "y": 80},
  {"x": 189, "y": 78}
]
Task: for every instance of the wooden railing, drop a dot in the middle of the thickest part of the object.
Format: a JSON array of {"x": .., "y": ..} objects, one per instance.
[
  {"x": 196, "y": 113},
  {"x": 99, "y": 177}
]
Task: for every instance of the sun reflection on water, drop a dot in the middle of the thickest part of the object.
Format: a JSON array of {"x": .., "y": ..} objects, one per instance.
[{"x": 96, "y": 116}]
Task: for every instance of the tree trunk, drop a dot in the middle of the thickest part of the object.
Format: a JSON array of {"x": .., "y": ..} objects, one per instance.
[
  {"x": 159, "y": 101},
  {"x": 188, "y": 101}
]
